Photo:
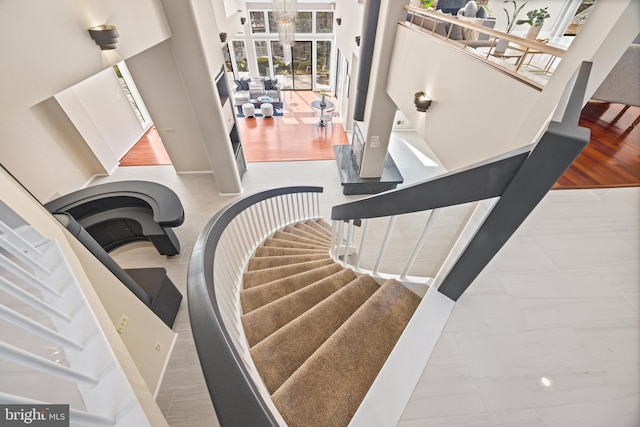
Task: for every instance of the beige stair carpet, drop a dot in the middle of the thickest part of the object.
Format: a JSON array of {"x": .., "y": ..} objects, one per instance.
[
  {"x": 263, "y": 251},
  {"x": 258, "y": 296},
  {"x": 262, "y": 322},
  {"x": 262, "y": 262},
  {"x": 328, "y": 388},
  {"x": 260, "y": 277},
  {"x": 282, "y": 243},
  {"x": 283, "y": 352},
  {"x": 302, "y": 233},
  {"x": 312, "y": 231},
  {"x": 281, "y": 235}
]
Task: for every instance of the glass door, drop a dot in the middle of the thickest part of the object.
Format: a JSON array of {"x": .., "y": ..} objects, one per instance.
[{"x": 302, "y": 65}]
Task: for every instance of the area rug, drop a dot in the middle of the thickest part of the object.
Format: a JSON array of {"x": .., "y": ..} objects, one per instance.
[{"x": 278, "y": 110}]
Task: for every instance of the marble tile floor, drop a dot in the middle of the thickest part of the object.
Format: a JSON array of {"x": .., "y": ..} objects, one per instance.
[{"x": 548, "y": 334}]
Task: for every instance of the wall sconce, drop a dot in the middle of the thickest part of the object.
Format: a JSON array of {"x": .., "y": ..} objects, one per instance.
[
  {"x": 223, "y": 37},
  {"x": 243, "y": 20},
  {"x": 422, "y": 101},
  {"x": 339, "y": 21},
  {"x": 105, "y": 36},
  {"x": 358, "y": 40}
]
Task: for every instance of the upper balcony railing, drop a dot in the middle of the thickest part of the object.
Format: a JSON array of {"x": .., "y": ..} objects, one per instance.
[{"x": 532, "y": 61}]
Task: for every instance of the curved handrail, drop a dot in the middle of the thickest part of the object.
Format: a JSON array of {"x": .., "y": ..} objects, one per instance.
[{"x": 236, "y": 398}]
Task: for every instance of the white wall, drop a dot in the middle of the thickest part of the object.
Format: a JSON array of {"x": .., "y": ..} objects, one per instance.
[
  {"x": 476, "y": 110},
  {"x": 44, "y": 151},
  {"x": 48, "y": 48},
  {"x": 169, "y": 107},
  {"x": 100, "y": 110}
]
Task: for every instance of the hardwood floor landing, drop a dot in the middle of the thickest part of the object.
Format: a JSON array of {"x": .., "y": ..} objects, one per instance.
[
  {"x": 292, "y": 137},
  {"x": 148, "y": 151},
  {"x": 612, "y": 158}
]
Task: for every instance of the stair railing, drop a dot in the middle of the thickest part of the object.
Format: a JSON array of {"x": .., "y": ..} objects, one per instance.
[
  {"x": 513, "y": 183},
  {"x": 214, "y": 282},
  {"x": 50, "y": 337}
]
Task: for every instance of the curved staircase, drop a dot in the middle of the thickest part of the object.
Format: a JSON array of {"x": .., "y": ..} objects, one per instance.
[{"x": 318, "y": 333}]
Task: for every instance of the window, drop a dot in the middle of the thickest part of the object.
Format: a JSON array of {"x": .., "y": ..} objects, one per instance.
[
  {"x": 273, "y": 22},
  {"x": 324, "y": 22},
  {"x": 262, "y": 55},
  {"x": 323, "y": 64},
  {"x": 257, "y": 22},
  {"x": 240, "y": 56},
  {"x": 303, "y": 22}
]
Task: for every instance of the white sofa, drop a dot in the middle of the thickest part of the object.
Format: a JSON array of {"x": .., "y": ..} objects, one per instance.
[{"x": 254, "y": 87}]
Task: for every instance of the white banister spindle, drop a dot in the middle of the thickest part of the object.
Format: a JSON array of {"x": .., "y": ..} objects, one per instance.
[
  {"x": 24, "y": 296},
  {"x": 385, "y": 242},
  {"x": 22, "y": 256},
  {"x": 347, "y": 249},
  {"x": 30, "y": 360},
  {"x": 19, "y": 272},
  {"x": 365, "y": 224},
  {"x": 27, "y": 324},
  {"x": 19, "y": 241},
  {"x": 420, "y": 243}
]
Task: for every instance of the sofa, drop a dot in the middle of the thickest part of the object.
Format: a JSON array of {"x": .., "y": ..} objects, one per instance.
[
  {"x": 622, "y": 86},
  {"x": 254, "y": 87}
]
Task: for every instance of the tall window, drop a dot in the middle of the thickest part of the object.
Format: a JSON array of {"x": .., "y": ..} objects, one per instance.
[
  {"x": 273, "y": 22},
  {"x": 240, "y": 55},
  {"x": 262, "y": 55},
  {"x": 324, "y": 22},
  {"x": 323, "y": 64}
]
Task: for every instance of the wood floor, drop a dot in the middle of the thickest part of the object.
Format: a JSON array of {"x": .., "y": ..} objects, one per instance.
[
  {"x": 612, "y": 158},
  {"x": 293, "y": 136},
  {"x": 148, "y": 151}
]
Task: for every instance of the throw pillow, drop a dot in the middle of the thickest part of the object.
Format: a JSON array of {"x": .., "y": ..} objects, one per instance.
[
  {"x": 482, "y": 13},
  {"x": 267, "y": 84},
  {"x": 470, "y": 9},
  {"x": 245, "y": 84},
  {"x": 473, "y": 35},
  {"x": 238, "y": 84}
]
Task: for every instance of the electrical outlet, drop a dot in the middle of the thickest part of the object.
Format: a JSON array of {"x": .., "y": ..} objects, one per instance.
[{"x": 122, "y": 323}]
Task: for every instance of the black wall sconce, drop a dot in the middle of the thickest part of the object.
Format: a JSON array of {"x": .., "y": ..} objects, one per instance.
[
  {"x": 339, "y": 21},
  {"x": 358, "y": 40},
  {"x": 223, "y": 37},
  {"x": 243, "y": 20},
  {"x": 105, "y": 36},
  {"x": 422, "y": 101}
]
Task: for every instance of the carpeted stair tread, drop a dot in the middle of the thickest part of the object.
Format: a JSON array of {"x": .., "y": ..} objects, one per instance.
[
  {"x": 281, "y": 243},
  {"x": 319, "y": 227},
  {"x": 328, "y": 388},
  {"x": 307, "y": 235},
  {"x": 312, "y": 231},
  {"x": 282, "y": 235},
  {"x": 265, "y": 251},
  {"x": 284, "y": 351},
  {"x": 260, "y": 277},
  {"x": 264, "y": 321},
  {"x": 258, "y": 296},
  {"x": 324, "y": 224},
  {"x": 259, "y": 263}
]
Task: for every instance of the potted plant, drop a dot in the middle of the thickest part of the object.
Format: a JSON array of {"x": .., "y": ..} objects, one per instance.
[
  {"x": 426, "y": 4},
  {"x": 501, "y": 44},
  {"x": 511, "y": 17},
  {"x": 535, "y": 18},
  {"x": 323, "y": 101}
]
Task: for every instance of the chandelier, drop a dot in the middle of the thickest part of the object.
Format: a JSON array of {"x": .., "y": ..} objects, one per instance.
[{"x": 285, "y": 10}]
